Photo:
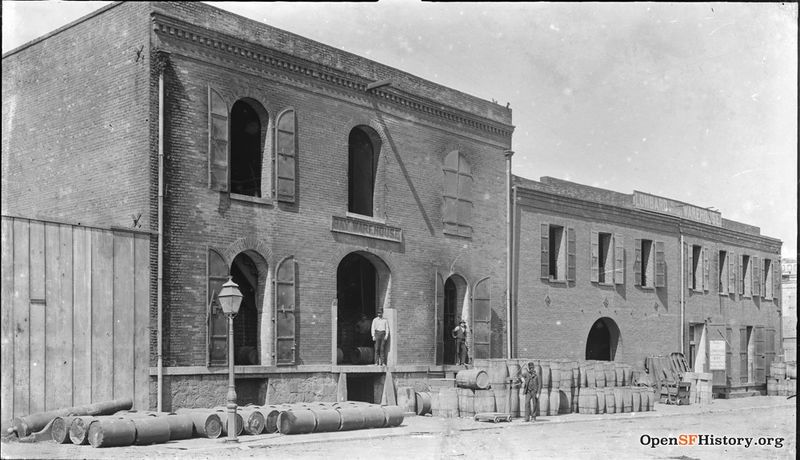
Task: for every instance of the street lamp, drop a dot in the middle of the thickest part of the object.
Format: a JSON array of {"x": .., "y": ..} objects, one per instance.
[{"x": 230, "y": 298}]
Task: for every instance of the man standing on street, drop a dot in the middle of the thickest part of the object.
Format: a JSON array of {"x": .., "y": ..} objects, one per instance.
[
  {"x": 530, "y": 388},
  {"x": 380, "y": 334},
  {"x": 460, "y": 334}
]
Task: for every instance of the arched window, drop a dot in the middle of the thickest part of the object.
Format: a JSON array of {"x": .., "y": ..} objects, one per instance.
[
  {"x": 246, "y": 143},
  {"x": 363, "y": 147},
  {"x": 457, "y": 196}
]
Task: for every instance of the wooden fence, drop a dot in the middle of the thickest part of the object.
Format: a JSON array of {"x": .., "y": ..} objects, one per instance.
[{"x": 75, "y": 316}]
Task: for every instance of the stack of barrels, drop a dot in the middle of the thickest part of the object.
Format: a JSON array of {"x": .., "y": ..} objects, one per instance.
[
  {"x": 317, "y": 417},
  {"x": 607, "y": 388},
  {"x": 782, "y": 380}
]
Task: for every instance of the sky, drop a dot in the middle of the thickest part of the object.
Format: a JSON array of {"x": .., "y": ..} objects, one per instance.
[{"x": 695, "y": 102}]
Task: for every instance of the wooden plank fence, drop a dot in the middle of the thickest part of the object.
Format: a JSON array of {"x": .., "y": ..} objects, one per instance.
[{"x": 75, "y": 316}]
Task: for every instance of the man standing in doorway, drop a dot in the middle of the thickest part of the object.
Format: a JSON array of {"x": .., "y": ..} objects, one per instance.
[
  {"x": 380, "y": 334},
  {"x": 460, "y": 334}
]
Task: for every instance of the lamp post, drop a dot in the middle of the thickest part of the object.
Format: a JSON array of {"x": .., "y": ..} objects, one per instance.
[{"x": 230, "y": 298}]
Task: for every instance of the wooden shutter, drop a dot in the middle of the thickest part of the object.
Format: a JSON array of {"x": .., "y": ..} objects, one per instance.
[
  {"x": 732, "y": 273},
  {"x": 571, "y": 254},
  {"x": 438, "y": 318},
  {"x": 769, "y": 352},
  {"x": 285, "y": 312},
  {"x": 637, "y": 262},
  {"x": 595, "y": 268},
  {"x": 760, "y": 358},
  {"x": 619, "y": 259},
  {"x": 217, "y": 323},
  {"x": 286, "y": 156},
  {"x": 741, "y": 277},
  {"x": 464, "y": 197},
  {"x": 218, "y": 158},
  {"x": 545, "y": 262},
  {"x": 706, "y": 270},
  {"x": 661, "y": 265},
  {"x": 728, "y": 355},
  {"x": 776, "y": 280},
  {"x": 482, "y": 317},
  {"x": 743, "y": 373},
  {"x": 755, "y": 276},
  {"x": 718, "y": 267}
]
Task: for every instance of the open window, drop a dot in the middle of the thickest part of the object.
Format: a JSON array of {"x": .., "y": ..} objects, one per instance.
[
  {"x": 649, "y": 267},
  {"x": 364, "y": 146},
  {"x": 608, "y": 258},
  {"x": 558, "y": 253}
]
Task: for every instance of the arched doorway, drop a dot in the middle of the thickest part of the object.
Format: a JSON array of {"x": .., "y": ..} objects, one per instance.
[
  {"x": 455, "y": 289},
  {"x": 245, "y": 325},
  {"x": 361, "y": 289},
  {"x": 603, "y": 340}
]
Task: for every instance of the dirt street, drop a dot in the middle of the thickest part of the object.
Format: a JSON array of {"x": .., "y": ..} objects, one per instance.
[{"x": 753, "y": 420}]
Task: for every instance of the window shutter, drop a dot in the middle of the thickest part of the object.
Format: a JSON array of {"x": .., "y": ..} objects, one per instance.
[
  {"x": 285, "y": 311},
  {"x": 706, "y": 271},
  {"x": 759, "y": 358},
  {"x": 570, "y": 254},
  {"x": 286, "y": 156},
  {"x": 755, "y": 277},
  {"x": 637, "y": 263},
  {"x": 482, "y": 327},
  {"x": 661, "y": 265},
  {"x": 438, "y": 316},
  {"x": 728, "y": 353},
  {"x": 718, "y": 267},
  {"x": 765, "y": 281},
  {"x": 619, "y": 259},
  {"x": 743, "y": 373},
  {"x": 217, "y": 324},
  {"x": 769, "y": 351},
  {"x": 595, "y": 277},
  {"x": 776, "y": 280},
  {"x": 218, "y": 159},
  {"x": 740, "y": 272},
  {"x": 545, "y": 262},
  {"x": 731, "y": 273},
  {"x": 688, "y": 265}
]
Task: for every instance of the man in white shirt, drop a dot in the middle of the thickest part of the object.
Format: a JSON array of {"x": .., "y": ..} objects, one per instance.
[{"x": 380, "y": 334}]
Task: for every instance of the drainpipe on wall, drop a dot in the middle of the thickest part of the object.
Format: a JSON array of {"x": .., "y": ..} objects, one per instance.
[
  {"x": 683, "y": 290},
  {"x": 160, "y": 268},
  {"x": 509, "y": 154}
]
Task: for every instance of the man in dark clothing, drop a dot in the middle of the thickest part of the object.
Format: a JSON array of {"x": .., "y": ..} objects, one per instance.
[
  {"x": 460, "y": 334},
  {"x": 531, "y": 387}
]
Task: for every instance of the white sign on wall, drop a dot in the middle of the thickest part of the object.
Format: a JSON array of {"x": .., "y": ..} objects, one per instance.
[{"x": 716, "y": 355}]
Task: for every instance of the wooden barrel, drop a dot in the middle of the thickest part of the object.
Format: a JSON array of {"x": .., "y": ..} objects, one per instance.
[
  {"x": 521, "y": 402},
  {"x": 545, "y": 374},
  {"x": 297, "y": 421},
  {"x": 223, "y": 418},
  {"x": 591, "y": 376},
  {"x": 555, "y": 401},
  {"x": 111, "y": 431},
  {"x": 484, "y": 401},
  {"x": 544, "y": 402},
  {"x": 772, "y": 387},
  {"x": 576, "y": 374},
  {"x": 599, "y": 375},
  {"x": 326, "y": 420},
  {"x": 627, "y": 400},
  {"x": 475, "y": 379},
  {"x": 791, "y": 371},
  {"x": 636, "y": 399},
  {"x": 651, "y": 399},
  {"x": 619, "y": 399},
  {"x": 627, "y": 372},
  {"x": 270, "y": 414},
  {"x": 246, "y": 356},
  {"x": 565, "y": 400},
  {"x": 501, "y": 402},
  {"x": 394, "y": 415},
  {"x": 406, "y": 399},
  {"x": 601, "y": 401},
  {"x": 207, "y": 423},
  {"x": 79, "y": 429},
  {"x": 587, "y": 401},
  {"x": 32, "y": 423},
  {"x": 149, "y": 430},
  {"x": 498, "y": 372},
  {"x": 253, "y": 420},
  {"x": 514, "y": 369},
  {"x": 448, "y": 402},
  {"x": 423, "y": 402},
  {"x": 611, "y": 400},
  {"x": 610, "y": 373},
  {"x": 555, "y": 374},
  {"x": 575, "y": 399},
  {"x": 59, "y": 430},
  {"x": 180, "y": 426},
  {"x": 777, "y": 370},
  {"x": 375, "y": 417},
  {"x": 352, "y": 418},
  {"x": 619, "y": 374},
  {"x": 582, "y": 371},
  {"x": 362, "y": 355},
  {"x": 466, "y": 402},
  {"x": 513, "y": 399}
]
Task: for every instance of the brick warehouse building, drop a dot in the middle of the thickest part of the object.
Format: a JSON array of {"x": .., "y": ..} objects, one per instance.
[
  {"x": 602, "y": 275},
  {"x": 152, "y": 149},
  {"x": 327, "y": 185}
]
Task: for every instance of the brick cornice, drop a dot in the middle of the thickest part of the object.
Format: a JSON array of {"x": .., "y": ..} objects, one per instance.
[{"x": 205, "y": 41}]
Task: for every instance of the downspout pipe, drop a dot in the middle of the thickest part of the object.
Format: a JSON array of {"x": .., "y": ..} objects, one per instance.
[
  {"x": 508, "y": 154},
  {"x": 160, "y": 266},
  {"x": 683, "y": 289}
]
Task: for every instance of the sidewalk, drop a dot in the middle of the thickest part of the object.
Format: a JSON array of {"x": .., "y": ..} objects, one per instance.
[{"x": 411, "y": 426}]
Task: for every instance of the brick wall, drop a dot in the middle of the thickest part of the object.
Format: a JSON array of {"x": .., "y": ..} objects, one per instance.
[{"x": 75, "y": 122}]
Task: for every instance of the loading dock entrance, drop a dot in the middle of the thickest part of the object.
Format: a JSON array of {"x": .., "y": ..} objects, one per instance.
[{"x": 603, "y": 340}]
